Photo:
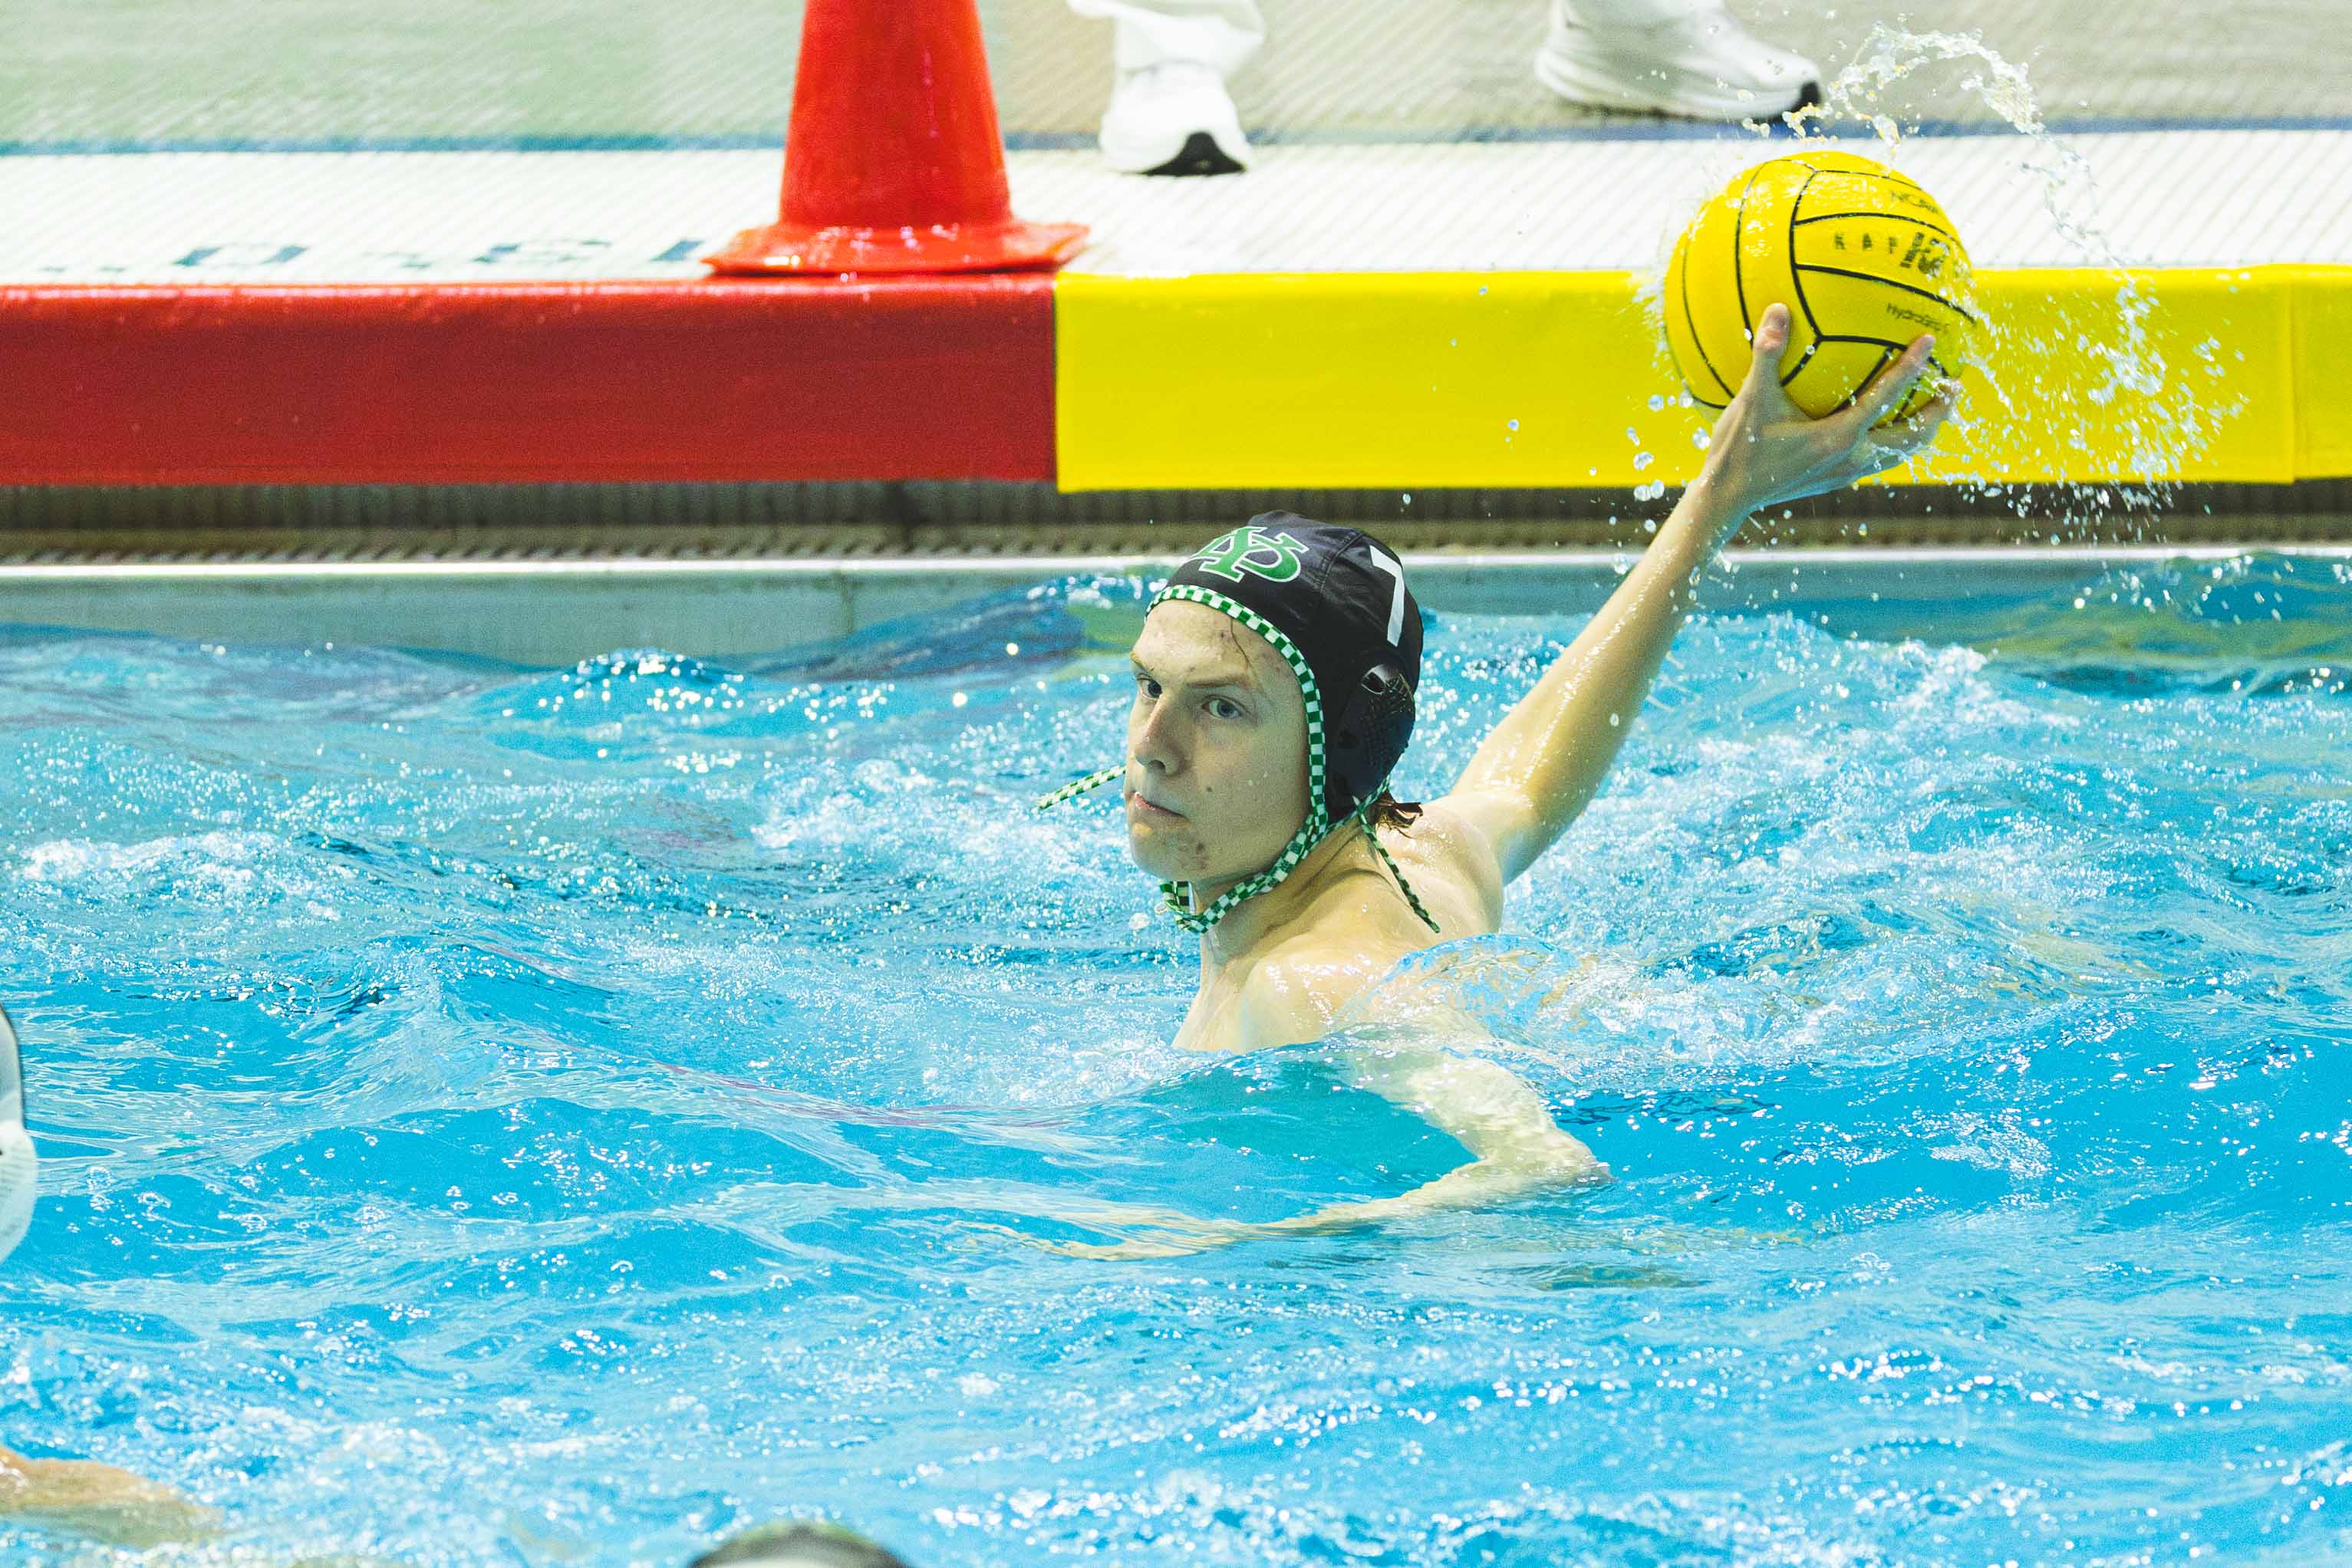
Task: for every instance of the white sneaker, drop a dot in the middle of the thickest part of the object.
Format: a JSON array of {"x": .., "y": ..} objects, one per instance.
[
  {"x": 1174, "y": 118},
  {"x": 1703, "y": 66}
]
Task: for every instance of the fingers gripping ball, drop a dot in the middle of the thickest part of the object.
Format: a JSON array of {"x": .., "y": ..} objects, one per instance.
[{"x": 1864, "y": 260}]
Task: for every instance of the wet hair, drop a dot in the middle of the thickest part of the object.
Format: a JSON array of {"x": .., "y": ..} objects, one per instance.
[{"x": 1388, "y": 811}]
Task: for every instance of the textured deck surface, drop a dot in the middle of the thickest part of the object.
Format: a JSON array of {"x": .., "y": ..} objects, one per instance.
[{"x": 2194, "y": 197}]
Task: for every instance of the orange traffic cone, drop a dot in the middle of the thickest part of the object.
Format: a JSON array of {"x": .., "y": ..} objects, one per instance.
[{"x": 893, "y": 162}]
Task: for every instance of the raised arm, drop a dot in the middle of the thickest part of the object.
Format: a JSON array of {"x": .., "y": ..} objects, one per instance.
[{"x": 1534, "y": 772}]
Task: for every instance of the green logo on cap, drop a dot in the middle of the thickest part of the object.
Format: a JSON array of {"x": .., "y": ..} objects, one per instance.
[{"x": 1241, "y": 551}]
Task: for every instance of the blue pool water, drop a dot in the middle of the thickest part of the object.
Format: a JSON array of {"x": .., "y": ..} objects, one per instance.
[{"x": 526, "y": 1118}]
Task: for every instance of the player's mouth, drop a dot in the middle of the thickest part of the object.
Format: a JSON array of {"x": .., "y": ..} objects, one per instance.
[{"x": 1149, "y": 810}]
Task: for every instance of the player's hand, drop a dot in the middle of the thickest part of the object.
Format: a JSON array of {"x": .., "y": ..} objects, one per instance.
[{"x": 1766, "y": 450}]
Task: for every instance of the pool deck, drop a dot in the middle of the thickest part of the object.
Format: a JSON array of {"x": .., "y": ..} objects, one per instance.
[{"x": 1349, "y": 314}]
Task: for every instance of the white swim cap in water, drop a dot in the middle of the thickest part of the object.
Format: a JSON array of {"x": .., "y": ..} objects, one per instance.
[
  {"x": 16, "y": 1162},
  {"x": 798, "y": 1546}
]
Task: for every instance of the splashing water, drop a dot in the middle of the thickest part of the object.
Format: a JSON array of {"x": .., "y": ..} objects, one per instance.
[
  {"x": 1891, "y": 55},
  {"x": 2167, "y": 411}
]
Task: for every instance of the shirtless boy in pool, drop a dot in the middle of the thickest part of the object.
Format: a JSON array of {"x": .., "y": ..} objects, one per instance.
[{"x": 1274, "y": 681}]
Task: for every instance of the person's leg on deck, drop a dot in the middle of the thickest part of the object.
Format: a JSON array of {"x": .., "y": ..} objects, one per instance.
[{"x": 1169, "y": 112}]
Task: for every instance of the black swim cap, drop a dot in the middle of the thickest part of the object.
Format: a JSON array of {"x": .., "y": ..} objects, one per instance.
[{"x": 1338, "y": 596}]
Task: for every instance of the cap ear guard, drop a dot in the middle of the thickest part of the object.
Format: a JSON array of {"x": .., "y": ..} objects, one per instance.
[{"x": 1374, "y": 724}]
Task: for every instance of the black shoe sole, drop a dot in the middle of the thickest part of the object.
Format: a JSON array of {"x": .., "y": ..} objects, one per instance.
[{"x": 1201, "y": 156}]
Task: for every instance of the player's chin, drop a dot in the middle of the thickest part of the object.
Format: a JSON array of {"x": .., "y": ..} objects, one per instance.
[{"x": 1164, "y": 853}]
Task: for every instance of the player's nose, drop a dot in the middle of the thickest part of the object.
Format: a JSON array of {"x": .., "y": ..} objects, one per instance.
[{"x": 1158, "y": 740}]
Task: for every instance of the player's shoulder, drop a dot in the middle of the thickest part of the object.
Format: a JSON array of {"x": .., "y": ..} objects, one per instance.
[
  {"x": 1296, "y": 988},
  {"x": 1447, "y": 845}
]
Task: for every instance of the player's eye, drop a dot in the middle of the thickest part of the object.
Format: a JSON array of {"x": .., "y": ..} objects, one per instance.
[
  {"x": 1148, "y": 687},
  {"x": 1225, "y": 708}
]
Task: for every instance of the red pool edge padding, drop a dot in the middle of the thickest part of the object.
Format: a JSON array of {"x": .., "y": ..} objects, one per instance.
[{"x": 510, "y": 383}]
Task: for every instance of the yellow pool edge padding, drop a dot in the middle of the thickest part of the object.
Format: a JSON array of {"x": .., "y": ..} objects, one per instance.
[{"x": 1539, "y": 380}]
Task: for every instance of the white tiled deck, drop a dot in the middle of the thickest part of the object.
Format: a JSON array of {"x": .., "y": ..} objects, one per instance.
[{"x": 2147, "y": 198}]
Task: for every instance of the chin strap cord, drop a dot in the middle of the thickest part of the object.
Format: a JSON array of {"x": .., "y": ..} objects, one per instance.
[
  {"x": 1404, "y": 887},
  {"x": 1077, "y": 787},
  {"x": 1178, "y": 895}
]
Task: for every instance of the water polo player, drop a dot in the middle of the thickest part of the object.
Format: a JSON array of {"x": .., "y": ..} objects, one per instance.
[{"x": 1275, "y": 679}]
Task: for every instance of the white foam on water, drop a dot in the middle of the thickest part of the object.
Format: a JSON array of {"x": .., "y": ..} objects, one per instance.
[{"x": 220, "y": 860}]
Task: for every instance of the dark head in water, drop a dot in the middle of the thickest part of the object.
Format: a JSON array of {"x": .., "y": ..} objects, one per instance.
[{"x": 797, "y": 1546}]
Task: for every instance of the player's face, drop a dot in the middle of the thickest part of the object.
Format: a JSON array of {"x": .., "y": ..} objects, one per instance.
[{"x": 1216, "y": 749}]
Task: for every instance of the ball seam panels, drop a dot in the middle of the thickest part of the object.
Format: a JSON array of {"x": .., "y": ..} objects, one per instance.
[
  {"x": 1796, "y": 205},
  {"x": 1961, "y": 310},
  {"x": 1690, "y": 319},
  {"x": 1739, "y": 276},
  {"x": 1895, "y": 217}
]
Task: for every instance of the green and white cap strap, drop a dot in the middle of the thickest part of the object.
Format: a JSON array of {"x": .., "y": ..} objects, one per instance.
[
  {"x": 1077, "y": 787},
  {"x": 1380, "y": 849}
]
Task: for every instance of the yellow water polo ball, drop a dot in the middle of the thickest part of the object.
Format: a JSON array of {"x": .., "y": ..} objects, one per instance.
[{"x": 1864, "y": 260}]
